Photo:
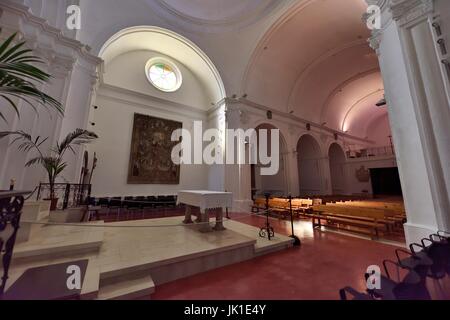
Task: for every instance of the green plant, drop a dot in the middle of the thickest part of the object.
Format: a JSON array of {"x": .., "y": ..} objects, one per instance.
[
  {"x": 52, "y": 162},
  {"x": 19, "y": 77}
]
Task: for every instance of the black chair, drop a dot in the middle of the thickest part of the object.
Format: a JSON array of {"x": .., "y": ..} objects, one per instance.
[
  {"x": 103, "y": 202},
  {"x": 152, "y": 201},
  {"x": 91, "y": 201},
  {"x": 167, "y": 201},
  {"x": 445, "y": 236},
  {"x": 116, "y": 204},
  {"x": 142, "y": 204},
  {"x": 132, "y": 206},
  {"x": 411, "y": 287},
  {"x": 354, "y": 293}
]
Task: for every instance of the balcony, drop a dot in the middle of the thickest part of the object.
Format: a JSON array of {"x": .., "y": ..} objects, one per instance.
[{"x": 368, "y": 153}]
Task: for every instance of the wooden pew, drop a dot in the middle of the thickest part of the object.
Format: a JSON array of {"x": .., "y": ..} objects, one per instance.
[
  {"x": 388, "y": 214},
  {"x": 379, "y": 216},
  {"x": 259, "y": 204},
  {"x": 336, "y": 221},
  {"x": 397, "y": 207}
]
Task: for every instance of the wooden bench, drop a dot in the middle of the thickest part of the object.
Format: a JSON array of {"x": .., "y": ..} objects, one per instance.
[
  {"x": 389, "y": 226},
  {"x": 373, "y": 227},
  {"x": 397, "y": 207},
  {"x": 381, "y": 216},
  {"x": 259, "y": 204},
  {"x": 379, "y": 212}
]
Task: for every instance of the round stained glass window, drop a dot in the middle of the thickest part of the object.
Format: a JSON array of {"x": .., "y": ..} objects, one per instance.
[{"x": 163, "y": 75}]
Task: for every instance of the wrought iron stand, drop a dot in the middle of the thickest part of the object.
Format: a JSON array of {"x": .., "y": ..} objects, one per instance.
[
  {"x": 297, "y": 241},
  {"x": 267, "y": 230},
  {"x": 11, "y": 204}
]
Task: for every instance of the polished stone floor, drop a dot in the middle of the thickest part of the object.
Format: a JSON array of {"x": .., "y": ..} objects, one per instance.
[{"x": 326, "y": 262}]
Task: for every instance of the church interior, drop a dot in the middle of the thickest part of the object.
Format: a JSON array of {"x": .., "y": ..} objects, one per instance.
[{"x": 208, "y": 150}]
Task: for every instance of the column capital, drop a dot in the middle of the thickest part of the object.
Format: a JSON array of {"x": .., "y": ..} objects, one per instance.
[
  {"x": 408, "y": 11},
  {"x": 375, "y": 41}
]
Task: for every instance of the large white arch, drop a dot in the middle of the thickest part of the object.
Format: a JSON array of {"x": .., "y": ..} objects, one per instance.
[{"x": 172, "y": 44}]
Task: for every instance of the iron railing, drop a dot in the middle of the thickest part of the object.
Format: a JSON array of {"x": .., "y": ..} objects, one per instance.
[
  {"x": 372, "y": 152},
  {"x": 68, "y": 195},
  {"x": 11, "y": 204}
]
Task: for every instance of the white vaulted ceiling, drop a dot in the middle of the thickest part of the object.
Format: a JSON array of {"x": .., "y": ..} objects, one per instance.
[
  {"x": 316, "y": 62},
  {"x": 213, "y": 15}
]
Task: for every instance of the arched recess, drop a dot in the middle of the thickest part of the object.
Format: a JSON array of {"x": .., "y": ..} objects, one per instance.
[
  {"x": 278, "y": 182},
  {"x": 171, "y": 44},
  {"x": 337, "y": 162},
  {"x": 126, "y": 91},
  {"x": 309, "y": 167}
]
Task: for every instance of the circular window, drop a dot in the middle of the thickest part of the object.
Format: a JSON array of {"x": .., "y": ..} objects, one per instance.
[{"x": 164, "y": 75}]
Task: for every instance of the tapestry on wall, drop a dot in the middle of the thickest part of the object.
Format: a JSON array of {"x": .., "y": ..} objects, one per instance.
[{"x": 151, "y": 149}]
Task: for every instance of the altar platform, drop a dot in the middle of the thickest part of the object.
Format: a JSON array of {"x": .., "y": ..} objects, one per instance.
[{"x": 130, "y": 259}]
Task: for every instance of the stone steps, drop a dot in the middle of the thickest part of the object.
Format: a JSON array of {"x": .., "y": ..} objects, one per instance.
[{"x": 127, "y": 287}]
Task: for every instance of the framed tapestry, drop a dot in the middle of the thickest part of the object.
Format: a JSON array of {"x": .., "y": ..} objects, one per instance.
[{"x": 151, "y": 149}]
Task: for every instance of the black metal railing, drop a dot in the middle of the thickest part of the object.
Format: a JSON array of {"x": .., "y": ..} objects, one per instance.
[
  {"x": 68, "y": 195},
  {"x": 371, "y": 152},
  {"x": 11, "y": 204}
]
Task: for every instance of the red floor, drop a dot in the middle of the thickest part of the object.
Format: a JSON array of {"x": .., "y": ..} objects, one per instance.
[{"x": 325, "y": 263}]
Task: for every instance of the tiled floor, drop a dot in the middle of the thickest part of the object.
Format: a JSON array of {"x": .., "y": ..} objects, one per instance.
[{"x": 325, "y": 262}]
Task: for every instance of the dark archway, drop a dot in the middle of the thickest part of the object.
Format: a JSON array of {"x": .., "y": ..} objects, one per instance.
[
  {"x": 276, "y": 182},
  {"x": 308, "y": 151},
  {"x": 337, "y": 162}
]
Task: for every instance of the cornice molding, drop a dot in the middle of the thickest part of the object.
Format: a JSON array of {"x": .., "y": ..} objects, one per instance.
[
  {"x": 119, "y": 94},
  {"x": 44, "y": 29},
  {"x": 410, "y": 11},
  {"x": 234, "y": 105}
]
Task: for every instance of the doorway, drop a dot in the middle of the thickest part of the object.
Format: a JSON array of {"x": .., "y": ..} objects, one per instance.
[{"x": 386, "y": 181}]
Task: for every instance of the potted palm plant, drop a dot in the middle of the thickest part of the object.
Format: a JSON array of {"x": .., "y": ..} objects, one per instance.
[
  {"x": 20, "y": 78},
  {"x": 52, "y": 161}
]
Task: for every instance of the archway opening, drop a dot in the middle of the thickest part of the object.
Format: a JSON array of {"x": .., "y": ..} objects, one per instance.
[
  {"x": 310, "y": 181},
  {"x": 337, "y": 161},
  {"x": 276, "y": 184},
  {"x": 166, "y": 81}
]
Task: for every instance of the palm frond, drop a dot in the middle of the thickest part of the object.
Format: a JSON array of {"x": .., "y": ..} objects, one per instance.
[
  {"x": 78, "y": 137},
  {"x": 17, "y": 74}
]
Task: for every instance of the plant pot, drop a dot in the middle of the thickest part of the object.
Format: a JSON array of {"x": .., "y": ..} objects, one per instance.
[{"x": 53, "y": 203}]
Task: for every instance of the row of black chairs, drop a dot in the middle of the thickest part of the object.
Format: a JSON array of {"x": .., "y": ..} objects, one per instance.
[
  {"x": 134, "y": 202},
  {"x": 428, "y": 260},
  {"x": 131, "y": 205}
]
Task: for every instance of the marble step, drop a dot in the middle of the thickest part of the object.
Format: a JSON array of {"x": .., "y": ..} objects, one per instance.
[{"x": 126, "y": 288}]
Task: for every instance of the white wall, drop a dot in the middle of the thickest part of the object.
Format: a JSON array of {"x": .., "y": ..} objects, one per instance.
[
  {"x": 354, "y": 186},
  {"x": 379, "y": 131},
  {"x": 126, "y": 91},
  {"x": 309, "y": 166},
  {"x": 337, "y": 160},
  {"x": 127, "y": 71},
  {"x": 73, "y": 72}
]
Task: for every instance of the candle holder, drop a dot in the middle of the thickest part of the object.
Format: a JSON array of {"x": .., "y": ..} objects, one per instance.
[{"x": 267, "y": 230}]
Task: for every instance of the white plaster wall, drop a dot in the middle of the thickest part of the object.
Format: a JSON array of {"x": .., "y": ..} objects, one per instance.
[
  {"x": 409, "y": 150},
  {"x": 379, "y": 132},
  {"x": 354, "y": 186},
  {"x": 128, "y": 71},
  {"x": 114, "y": 125},
  {"x": 126, "y": 91},
  {"x": 337, "y": 161}
]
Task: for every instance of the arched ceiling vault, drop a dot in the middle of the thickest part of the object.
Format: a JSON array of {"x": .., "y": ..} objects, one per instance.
[
  {"x": 316, "y": 62},
  {"x": 171, "y": 44}
]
